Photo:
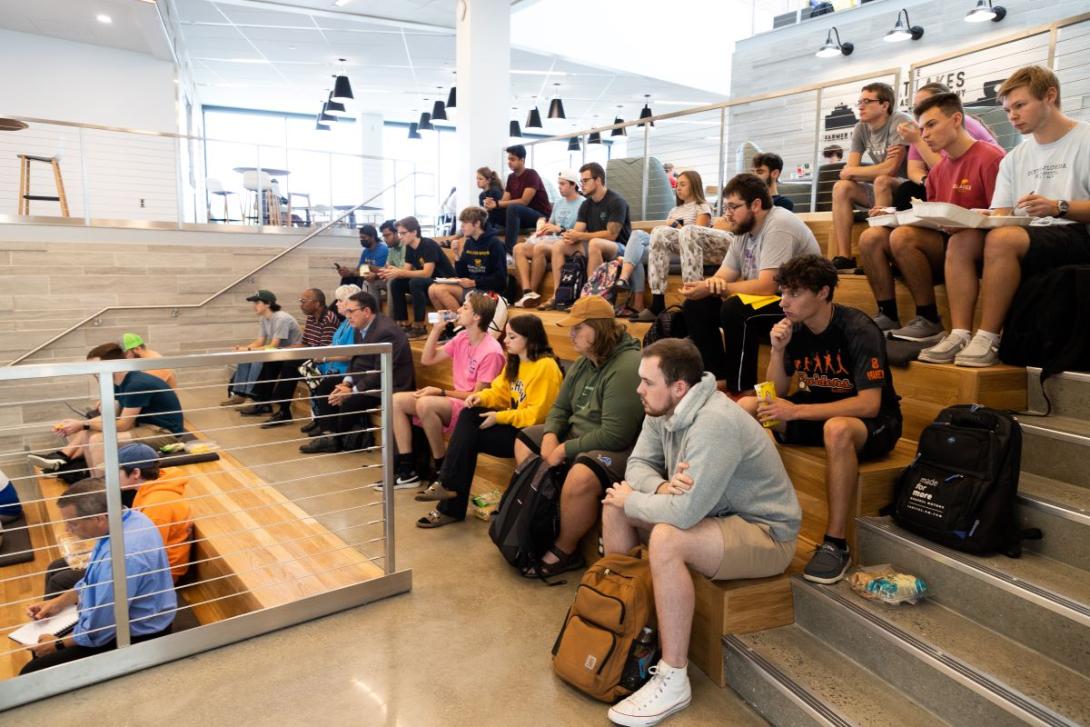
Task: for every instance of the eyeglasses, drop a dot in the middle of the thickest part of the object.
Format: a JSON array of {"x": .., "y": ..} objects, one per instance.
[
  {"x": 352, "y": 310},
  {"x": 735, "y": 206},
  {"x": 864, "y": 102},
  {"x": 584, "y": 180}
]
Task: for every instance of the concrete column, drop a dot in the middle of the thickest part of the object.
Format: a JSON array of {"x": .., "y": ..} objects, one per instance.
[{"x": 484, "y": 89}]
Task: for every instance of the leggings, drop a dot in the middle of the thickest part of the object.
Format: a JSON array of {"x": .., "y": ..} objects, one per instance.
[{"x": 697, "y": 245}]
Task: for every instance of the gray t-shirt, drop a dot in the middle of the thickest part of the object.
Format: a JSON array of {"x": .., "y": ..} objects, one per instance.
[
  {"x": 783, "y": 236},
  {"x": 1060, "y": 170},
  {"x": 281, "y": 326},
  {"x": 875, "y": 143}
]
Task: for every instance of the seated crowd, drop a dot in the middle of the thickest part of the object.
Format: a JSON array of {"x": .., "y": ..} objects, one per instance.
[{"x": 638, "y": 436}]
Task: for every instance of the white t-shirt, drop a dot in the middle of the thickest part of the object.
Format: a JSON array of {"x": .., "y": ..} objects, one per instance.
[
  {"x": 1060, "y": 170},
  {"x": 689, "y": 211},
  {"x": 783, "y": 236}
]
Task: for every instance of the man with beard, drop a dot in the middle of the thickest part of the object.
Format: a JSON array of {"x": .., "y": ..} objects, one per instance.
[
  {"x": 740, "y": 297},
  {"x": 722, "y": 506}
]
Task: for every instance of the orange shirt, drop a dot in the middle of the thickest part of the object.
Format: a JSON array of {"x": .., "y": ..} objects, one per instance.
[{"x": 163, "y": 501}]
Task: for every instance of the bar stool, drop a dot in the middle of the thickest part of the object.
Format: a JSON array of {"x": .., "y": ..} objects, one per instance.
[
  {"x": 263, "y": 199},
  {"x": 214, "y": 186},
  {"x": 298, "y": 208},
  {"x": 25, "y": 197}
]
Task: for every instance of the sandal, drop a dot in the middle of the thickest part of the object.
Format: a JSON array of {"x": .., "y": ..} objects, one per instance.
[
  {"x": 435, "y": 493},
  {"x": 564, "y": 562},
  {"x": 550, "y": 304},
  {"x": 435, "y": 519}
]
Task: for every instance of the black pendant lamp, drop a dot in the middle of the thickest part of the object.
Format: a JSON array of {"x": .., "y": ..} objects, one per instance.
[
  {"x": 425, "y": 122},
  {"x": 342, "y": 88},
  {"x": 515, "y": 130},
  {"x": 323, "y": 115},
  {"x": 618, "y": 120},
  {"x": 413, "y": 133},
  {"x": 438, "y": 111},
  {"x": 645, "y": 112},
  {"x": 556, "y": 106},
  {"x": 335, "y": 108},
  {"x": 318, "y": 125},
  {"x": 533, "y": 119},
  {"x": 573, "y": 144},
  {"x": 452, "y": 98},
  {"x": 594, "y": 138}
]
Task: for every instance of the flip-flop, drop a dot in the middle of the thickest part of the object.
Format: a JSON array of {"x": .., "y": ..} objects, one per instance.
[{"x": 435, "y": 519}]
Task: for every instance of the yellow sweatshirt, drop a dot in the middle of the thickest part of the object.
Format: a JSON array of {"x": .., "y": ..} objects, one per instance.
[{"x": 527, "y": 400}]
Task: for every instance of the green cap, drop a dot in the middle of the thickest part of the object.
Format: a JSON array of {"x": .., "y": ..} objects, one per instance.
[
  {"x": 129, "y": 341},
  {"x": 264, "y": 296}
]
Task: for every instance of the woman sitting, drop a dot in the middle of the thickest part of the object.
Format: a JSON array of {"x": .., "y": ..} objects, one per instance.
[{"x": 519, "y": 397}]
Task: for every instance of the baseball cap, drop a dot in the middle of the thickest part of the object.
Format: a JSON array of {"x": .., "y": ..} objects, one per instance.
[
  {"x": 136, "y": 454},
  {"x": 265, "y": 296},
  {"x": 586, "y": 309},
  {"x": 569, "y": 174},
  {"x": 129, "y": 341}
]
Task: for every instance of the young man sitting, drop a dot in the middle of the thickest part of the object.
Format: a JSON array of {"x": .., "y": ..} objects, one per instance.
[
  {"x": 1046, "y": 176},
  {"x": 591, "y": 427},
  {"x": 481, "y": 264},
  {"x": 768, "y": 167},
  {"x": 532, "y": 256},
  {"x": 721, "y": 505},
  {"x": 765, "y": 237},
  {"x": 964, "y": 175},
  {"x": 845, "y": 399},
  {"x": 872, "y": 185},
  {"x": 134, "y": 347},
  {"x": 524, "y": 200},
  {"x": 424, "y": 262}
]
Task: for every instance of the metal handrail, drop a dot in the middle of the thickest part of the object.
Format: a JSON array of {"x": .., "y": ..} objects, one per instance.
[{"x": 218, "y": 293}]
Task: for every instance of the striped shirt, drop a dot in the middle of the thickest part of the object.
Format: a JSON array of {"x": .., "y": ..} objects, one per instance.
[{"x": 318, "y": 330}]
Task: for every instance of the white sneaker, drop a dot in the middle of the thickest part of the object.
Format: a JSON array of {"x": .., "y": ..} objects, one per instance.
[
  {"x": 667, "y": 692},
  {"x": 945, "y": 350},
  {"x": 979, "y": 353},
  {"x": 526, "y": 298}
]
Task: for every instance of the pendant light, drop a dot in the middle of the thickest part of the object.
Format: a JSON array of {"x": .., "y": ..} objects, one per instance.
[
  {"x": 413, "y": 133},
  {"x": 556, "y": 107},
  {"x": 324, "y": 116},
  {"x": 833, "y": 49},
  {"x": 342, "y": 88},
  {"x": 985, "y": 11},
  {"x": 533, "y": 119},
  {"x": 318, "y": 125},
  {"x": 594, "y": 137},
  {"x": 618, "y": 120},
  {"x": 645, "y": 112},
  {"x": 515, "y": 130},
  {"x": 903, "y": 30},
  {"x": 438, "y": 109},
  {"x": 452, "y": 98},
  {"x": 573, "y": 144},
  {"x": 425, "y": 122}
]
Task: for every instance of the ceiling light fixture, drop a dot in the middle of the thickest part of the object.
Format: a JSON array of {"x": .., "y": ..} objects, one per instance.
[
  {"x": 438, "y": 109},
  {"x": 594, "y": 138},
  {"x": 413, "y": 133},
  {"x": 903, "y": 31},
  {"x": 832, "y": 49},
  {"x": 425, "y": 122},
  {"x": 985, "y": 11},
  {"x": 323, "y": 115},
  {"x": 573, "y": 144},
  {"x": 104, "y": 19},
  {"x": 342, "y": 88},
  {"x": 556, "y": 107},
  {"x": 618, "y": 120},
  {"x": 319, "y": 126},
  {"x": 533, "y": 119},
  {"x": 645, "y": 112},
  {"x": 515, "y": 131},
  {"x": 452, "y": 98}
]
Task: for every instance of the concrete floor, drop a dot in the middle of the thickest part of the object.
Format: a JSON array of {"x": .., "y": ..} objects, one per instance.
[{"x": 470, "y": 645}]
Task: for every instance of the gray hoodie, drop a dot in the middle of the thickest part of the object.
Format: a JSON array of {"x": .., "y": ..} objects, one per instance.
[{"x": 732, "y": 460}]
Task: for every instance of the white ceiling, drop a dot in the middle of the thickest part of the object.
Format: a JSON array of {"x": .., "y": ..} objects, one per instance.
[
  {"x": 270, "y": 56},
  {"x": 135, "y": 27}
]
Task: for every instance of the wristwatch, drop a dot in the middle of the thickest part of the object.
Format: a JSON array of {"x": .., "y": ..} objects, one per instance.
[
  {"x": 1062, "y": 207},
  {"x": 86, "y": 426},
  {"x": 59, "y": 645}
]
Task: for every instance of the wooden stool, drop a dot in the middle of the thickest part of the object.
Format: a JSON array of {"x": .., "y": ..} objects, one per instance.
[{"x": 25, "y": 197}]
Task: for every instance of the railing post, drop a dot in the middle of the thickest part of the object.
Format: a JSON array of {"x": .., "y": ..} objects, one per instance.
[
  {"x": 814, "y": 173},
  {"x": 83, "y": 178},
  {"x": 646, "y": 170},
  {"x": 260, "y": 194},
  {"x": 180, "y": 183},
  {"x": 114, "y": 507},
  {"x": 722, "y": 159},
  {"x": 387, "y": 360}
]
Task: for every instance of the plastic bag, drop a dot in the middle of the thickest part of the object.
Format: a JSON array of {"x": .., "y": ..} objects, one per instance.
[
  {"x": 883, "y": 583},
  {"x": 485, "y": 504}
]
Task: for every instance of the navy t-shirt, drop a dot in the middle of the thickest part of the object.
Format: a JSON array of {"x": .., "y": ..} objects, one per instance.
[
  {"x": 844, "y": 359},
  {"x": 597, "y": 215},
  {"x": 428, "y": 251},
  {"x": 484, "y": 260},
  {"x": 157, "y": 402}
]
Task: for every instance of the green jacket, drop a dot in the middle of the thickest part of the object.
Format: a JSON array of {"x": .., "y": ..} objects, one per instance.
[{"x": 597, "y": 407}]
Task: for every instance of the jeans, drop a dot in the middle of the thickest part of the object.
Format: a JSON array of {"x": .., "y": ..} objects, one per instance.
[
  {"x": 635, "y": 252},
  {"x": 466, "y": 442},
  {"x": 518, "y": 216},
  {"x": 242, "y": 383},
  {"x": 418, "y": 287},
  {"x": 743, "y": 328}
]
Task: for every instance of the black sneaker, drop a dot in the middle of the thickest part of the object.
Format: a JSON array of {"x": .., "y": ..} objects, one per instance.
[
  {"x": 255, "y": 410},
  {"x": 406, "y": 478},
  {"x": 312, "y": 426},
  {"x": 828, "y": 565},
  {"x": 844, "y": 263},
  {"x": 278, "y": 419},
  {"x": 321, "y": 445}
]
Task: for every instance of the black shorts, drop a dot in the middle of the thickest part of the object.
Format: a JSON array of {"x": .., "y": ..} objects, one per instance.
[
  {"x": 609, "y": 467},
  {"x": 883, "y": 431},
  {"x": 1053, "y": 246}
]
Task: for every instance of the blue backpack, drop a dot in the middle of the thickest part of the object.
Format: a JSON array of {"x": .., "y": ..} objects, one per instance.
[{"x": 10, "y": 509}]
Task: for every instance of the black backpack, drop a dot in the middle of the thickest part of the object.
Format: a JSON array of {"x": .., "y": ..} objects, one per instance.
[
  {"x": 527, "y": 519},
  {"x": 570, "y": 282},
  {"x": 961, "y": 489},
  {"x": 669, "y": 324}
]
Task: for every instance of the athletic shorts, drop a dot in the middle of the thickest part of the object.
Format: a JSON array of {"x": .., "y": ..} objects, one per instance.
[
  {"x": 883, "y": 431},
  {"x": 750, "y": 551},
  {"x": 608, "y": 466},
  {"x": 1053, "y": 246}
]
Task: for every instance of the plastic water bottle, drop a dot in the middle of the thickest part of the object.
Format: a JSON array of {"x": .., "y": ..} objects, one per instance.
[{"x": 640, "y": 659}]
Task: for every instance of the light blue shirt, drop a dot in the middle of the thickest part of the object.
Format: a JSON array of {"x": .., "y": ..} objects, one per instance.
[
  {"x": 152, "y": 601},
  {"x": 566, "y": 213},
  {"x": 341, "y": 337}
]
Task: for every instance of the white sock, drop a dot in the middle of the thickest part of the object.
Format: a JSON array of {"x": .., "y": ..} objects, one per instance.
[
  {"x": 961, "y": 333},
  {"x": 992, "y": 338}
]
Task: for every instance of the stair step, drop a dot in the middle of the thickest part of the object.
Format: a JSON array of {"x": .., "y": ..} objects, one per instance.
[
  {"x": 1038, "y": 601},
  {"x": 1056, "y": 447},
  {"x": 942, "y": 659},
  {"x": 1062, "y": 511},
  {"x": 794, "y": 678},
  {"x": 1069, "y": 393}
]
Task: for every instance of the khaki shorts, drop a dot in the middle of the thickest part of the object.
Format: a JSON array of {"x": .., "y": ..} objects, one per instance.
[
  {"x": 608, "y": 466},
  {"x": 750, "y": 551},
  {"x": 154, "y": 437}
]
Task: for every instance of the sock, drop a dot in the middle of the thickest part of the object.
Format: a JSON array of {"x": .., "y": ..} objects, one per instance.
[
  {"x": 992, "y": 338},
  {"x": 405, "y": 462},
  {"x": 930, "y": 312},
  {"x": 838, "y": 542},
  {"x": 961, "y": 333},
  {"x": 889, "y": 308},
  {"x": 658, "y": 303},
  {"x": 526, "y": 290},
  {"x": 437, "y": 463}
]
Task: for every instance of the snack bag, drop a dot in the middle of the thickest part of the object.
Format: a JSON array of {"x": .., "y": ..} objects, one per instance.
[{"x": 883, "y": 583}]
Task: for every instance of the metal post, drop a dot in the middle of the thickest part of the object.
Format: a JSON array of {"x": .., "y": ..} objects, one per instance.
[
  {"x": 814, "y": 175},
  {"x": 83, "y": 178},
  {"x": 329, "y": 167},
  {"x": 179, "y": 181},
  {"x": 646, "y": 170},
  {"x": 722, "y": 158},
  {"x": 260, "y": 195},
  {"x": 113, "y": 503},
  {"x": 387, "y": 361}
]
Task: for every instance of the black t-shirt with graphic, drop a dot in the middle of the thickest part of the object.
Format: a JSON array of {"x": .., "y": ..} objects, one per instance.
[
  {"x": 844, "y": 359},
  {"x": 428, "y": 251},
  {"x": 612, "y": 208}
]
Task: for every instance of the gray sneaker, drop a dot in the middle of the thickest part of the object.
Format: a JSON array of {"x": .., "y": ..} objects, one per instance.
[
  {"x": 979, "y": 353},
  {"x": 921, "y": 330},
  {"x": 885, "y": 323},
  {"x": 944, "y": 351},
  {"x": 828, "y": 565}
]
